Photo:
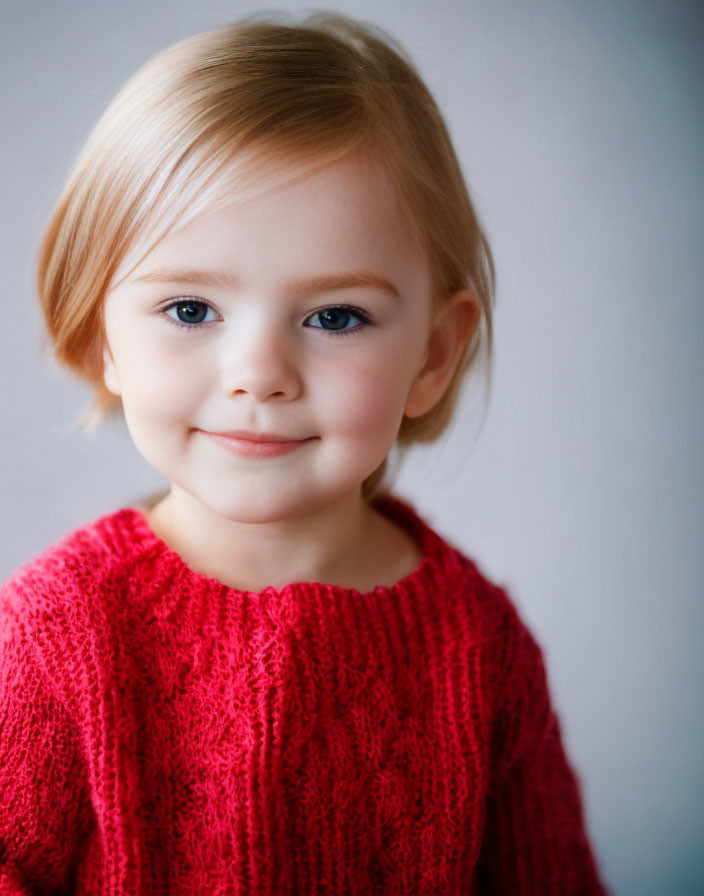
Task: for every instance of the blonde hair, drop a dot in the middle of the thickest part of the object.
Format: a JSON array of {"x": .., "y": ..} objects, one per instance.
[{"x": 228, "y": 112}]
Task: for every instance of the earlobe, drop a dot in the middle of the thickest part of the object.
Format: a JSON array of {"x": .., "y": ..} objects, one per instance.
[
  {"x": 112, "y": 383},
  {"x": 454, "y": 325}
]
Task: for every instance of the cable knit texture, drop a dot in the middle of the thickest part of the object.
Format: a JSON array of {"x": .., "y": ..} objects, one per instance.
[{"x": 161, "y": 733}]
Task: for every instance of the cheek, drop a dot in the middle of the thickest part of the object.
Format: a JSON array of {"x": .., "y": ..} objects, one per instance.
[
  {"x": 162, "y": 386},
  {"x": 365, "y": 402}
]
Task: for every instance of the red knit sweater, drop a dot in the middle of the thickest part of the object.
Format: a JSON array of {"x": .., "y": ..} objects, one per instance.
[{"x": 161, "y": 733}]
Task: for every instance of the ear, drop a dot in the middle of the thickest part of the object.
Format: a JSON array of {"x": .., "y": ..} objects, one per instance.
[
  {"x": 453, "y": 326},
  {"x": 110, "y": 378}
]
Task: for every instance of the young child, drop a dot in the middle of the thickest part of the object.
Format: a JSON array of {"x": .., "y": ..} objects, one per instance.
[{"x": 275, "y": 679}]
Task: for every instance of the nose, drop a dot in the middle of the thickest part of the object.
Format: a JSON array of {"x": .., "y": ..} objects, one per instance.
[{"x": 259, "y": 361}]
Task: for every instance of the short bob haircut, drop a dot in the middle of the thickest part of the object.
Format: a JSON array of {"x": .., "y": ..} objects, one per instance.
[{"x": 230, "y": 113}]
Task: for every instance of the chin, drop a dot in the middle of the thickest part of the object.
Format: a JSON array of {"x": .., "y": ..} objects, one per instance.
[
  {"x": 260, "y": 509},
  {"x": 276, "y": 506}
]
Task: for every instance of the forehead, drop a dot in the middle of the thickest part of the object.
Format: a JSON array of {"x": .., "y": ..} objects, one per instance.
[{"x": 341, "y": 214}]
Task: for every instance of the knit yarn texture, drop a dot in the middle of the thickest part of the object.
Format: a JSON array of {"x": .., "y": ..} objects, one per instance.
[{"x": 161, "y": 733}]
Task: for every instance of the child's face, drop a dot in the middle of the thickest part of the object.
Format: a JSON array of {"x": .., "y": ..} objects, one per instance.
[{"x": 263, "y": 346}]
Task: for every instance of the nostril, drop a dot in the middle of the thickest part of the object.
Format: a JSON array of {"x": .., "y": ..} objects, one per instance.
[
  {"x": 259, "y": 395},
  {"x": 261, "y": 378}
]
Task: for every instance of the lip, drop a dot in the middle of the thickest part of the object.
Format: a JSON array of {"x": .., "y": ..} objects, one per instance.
[{"x": 256, "y": 444}]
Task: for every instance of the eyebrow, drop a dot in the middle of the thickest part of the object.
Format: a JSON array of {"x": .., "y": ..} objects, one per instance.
[{"x": 322, "y": 283}]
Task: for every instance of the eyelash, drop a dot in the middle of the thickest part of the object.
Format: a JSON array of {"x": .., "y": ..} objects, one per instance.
[
  {"x": 180, "y": 323},
  {"x": 364, "y": 319}
]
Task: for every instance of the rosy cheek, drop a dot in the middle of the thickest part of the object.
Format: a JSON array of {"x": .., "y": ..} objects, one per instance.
[
  {"x": 370, "y": 398},
  {"x": 165, "y": 386}
]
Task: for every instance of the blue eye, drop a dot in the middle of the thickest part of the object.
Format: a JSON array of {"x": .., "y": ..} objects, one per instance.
[
  {"x": 188, "y": 312},
  {"x": 337, "y": 319}
]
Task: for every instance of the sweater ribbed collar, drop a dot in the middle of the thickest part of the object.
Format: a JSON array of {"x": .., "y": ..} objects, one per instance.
[{"x": 436, "y": 555}]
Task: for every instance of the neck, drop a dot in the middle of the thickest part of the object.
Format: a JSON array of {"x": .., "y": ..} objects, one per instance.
[{"x": 340, "y": 544}]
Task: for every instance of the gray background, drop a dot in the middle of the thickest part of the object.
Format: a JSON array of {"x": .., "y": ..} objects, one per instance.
[{"x": 579, "y": 127}]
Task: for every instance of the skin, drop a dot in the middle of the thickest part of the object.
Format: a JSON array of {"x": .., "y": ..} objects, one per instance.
[{"x": 264, "y": 359}]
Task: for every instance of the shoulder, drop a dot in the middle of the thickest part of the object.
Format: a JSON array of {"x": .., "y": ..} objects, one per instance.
[
  {"x": 93, "y": 547},
  {"x": 70, "y": 576},
  {"x": 59, "y": 612},
  {"x": 452, "y": 567},
  {"x": 475, "y": 619},
  {"x": 456, "y": 579}
]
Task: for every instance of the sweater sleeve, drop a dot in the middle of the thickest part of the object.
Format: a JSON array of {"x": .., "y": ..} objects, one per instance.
[
  {"x": 535, "y": 842},
  {"x": 43, "y": 786}
]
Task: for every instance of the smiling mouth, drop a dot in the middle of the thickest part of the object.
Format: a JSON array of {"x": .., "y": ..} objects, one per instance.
[{"x": 251, "y": 444}]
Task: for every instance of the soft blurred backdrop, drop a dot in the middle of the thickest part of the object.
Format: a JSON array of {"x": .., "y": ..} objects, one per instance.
[{"x": 579, "y": 126}]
